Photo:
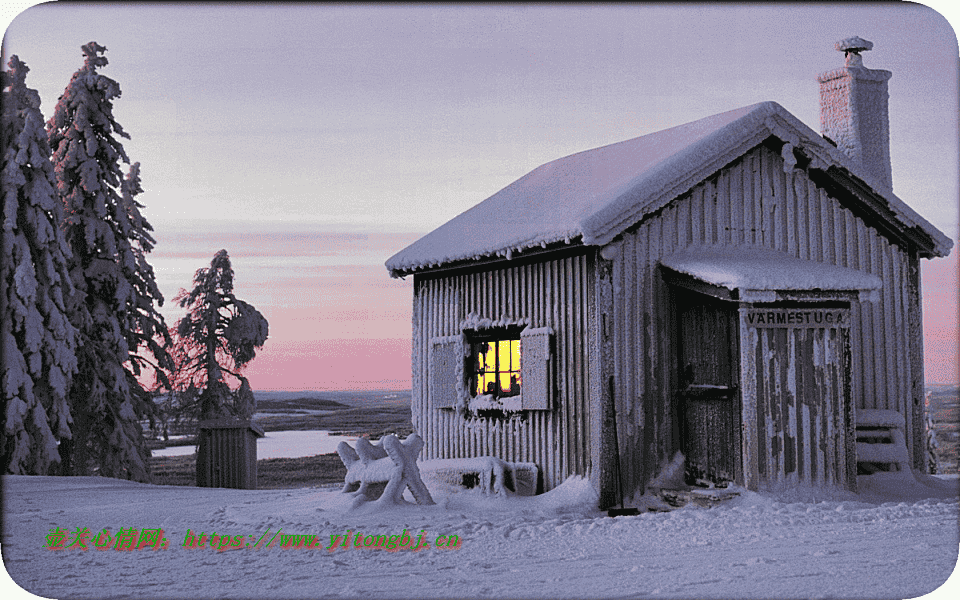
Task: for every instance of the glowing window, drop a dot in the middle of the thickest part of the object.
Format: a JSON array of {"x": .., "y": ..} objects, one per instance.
[{"x": 496, "y": 368}]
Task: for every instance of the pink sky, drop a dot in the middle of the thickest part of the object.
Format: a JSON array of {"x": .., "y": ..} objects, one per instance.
[
  {"x": 337, "y": 319},
  {"x": 940, "y": 326},
  {"x": 349, "y": 326},
  {"x": 314, "y": 141}
]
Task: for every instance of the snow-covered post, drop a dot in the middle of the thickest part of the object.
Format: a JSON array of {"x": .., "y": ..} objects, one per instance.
[{"x": 933, "y": 460}]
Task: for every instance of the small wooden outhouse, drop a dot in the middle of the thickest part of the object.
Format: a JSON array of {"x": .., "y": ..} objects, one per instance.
[
  {"x": 735, "y": 288},
  {"x": 227, "y": 453}
]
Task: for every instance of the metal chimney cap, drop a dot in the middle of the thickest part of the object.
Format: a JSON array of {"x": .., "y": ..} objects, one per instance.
[
  {"x": 854, "y": 44},
  {"x": 852, "y": 47}
]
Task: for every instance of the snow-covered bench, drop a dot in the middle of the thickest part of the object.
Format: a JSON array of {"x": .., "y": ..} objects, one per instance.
[
  {"x": 390, "y": 462},
  {"x": 492, "y": 475}
]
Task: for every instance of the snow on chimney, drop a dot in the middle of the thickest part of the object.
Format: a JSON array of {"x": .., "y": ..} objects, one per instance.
[{"x": 853, "y": 111}]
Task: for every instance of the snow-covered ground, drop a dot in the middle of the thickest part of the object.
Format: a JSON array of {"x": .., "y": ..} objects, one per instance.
[
  {"x": 281, "y": 444},
  {"x": 897, "y": 539}
]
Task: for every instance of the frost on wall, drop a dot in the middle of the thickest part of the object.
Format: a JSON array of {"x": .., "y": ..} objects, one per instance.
[{"x": 38, "y": 340}]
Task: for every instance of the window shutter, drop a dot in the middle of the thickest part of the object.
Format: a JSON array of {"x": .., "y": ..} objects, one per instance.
[
  {"x": 444, "y": 370},
  {"x": 535, "y": 369}
]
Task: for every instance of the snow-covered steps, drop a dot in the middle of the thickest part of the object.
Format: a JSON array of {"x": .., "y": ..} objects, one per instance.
[{"x": 881, "y": 446}]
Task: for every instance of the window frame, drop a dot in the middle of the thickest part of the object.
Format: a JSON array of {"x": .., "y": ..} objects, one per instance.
[
  {"x": 473, "y": 369},
  {"x": 451, "y": 376}
]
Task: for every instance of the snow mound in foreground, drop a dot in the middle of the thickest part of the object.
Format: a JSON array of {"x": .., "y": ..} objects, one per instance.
[
  {"x": 905, "y": 486},
  {"x": 574, "y": 495},
  {"x": 556, "y": 545},
  {"x": 878, "y": 489}
]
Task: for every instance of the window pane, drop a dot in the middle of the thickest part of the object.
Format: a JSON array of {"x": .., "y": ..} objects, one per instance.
[
  {"x": 490, "y": 358},
  {"x": 505, "y": 383},
  {"x": 489, "y": 383},
  {"x": 503, "y": 350}
]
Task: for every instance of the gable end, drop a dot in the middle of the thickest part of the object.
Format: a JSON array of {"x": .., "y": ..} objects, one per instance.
[{"x": 873, "y": 209}]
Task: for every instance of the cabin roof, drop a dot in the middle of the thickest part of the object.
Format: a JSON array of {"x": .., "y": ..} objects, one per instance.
[{"x": 595, "y": 195}]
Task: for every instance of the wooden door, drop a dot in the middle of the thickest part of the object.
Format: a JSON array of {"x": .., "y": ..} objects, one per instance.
[{"x": 709, "y": 400}]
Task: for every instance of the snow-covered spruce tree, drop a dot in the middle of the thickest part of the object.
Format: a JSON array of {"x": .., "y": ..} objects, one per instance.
[
  {"x": 118, "y": 326},
  {"x": 145, "y": 327},
  {"x": 36, "y": 337},
  {"x": 219, "y": 336}
]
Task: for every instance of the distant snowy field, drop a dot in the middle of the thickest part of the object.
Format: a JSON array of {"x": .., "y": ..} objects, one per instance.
[{"x": 897, "y": 539}]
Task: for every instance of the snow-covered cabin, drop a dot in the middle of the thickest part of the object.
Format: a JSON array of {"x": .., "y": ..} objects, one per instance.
[{"x": 735, "y": 288}]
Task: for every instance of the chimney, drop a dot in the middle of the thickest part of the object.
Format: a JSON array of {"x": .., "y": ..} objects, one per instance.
[{"x": 853, "y": 111}]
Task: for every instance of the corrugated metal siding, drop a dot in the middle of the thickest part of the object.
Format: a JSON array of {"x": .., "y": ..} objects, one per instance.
[
  {"x": 750, "y": 201},
  {"x": 554, "y": 293}
]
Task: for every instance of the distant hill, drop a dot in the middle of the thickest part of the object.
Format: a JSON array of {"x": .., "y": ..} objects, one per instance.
[
  {"x": 299, "y": 402},
  {"x": 356, "y": 399},
  {"x": 370, "y": 413}
]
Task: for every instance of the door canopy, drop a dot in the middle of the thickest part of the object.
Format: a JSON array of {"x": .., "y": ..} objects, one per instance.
[{"x": 756, "y": 274}]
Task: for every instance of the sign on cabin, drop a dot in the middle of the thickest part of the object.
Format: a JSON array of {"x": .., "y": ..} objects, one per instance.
[{"x": 792, "y": 317}]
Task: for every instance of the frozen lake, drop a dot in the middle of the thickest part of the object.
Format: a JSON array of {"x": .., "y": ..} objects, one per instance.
[{"x": 281, "y": 444}]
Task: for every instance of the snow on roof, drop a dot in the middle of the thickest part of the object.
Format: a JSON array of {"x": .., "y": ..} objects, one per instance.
[
  {"x": 595, "y": 195},
  {"x": 763, "y": 269}
]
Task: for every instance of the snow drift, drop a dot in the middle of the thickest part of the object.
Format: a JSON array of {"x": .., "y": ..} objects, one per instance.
[{"x": 897, "y": 539}]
